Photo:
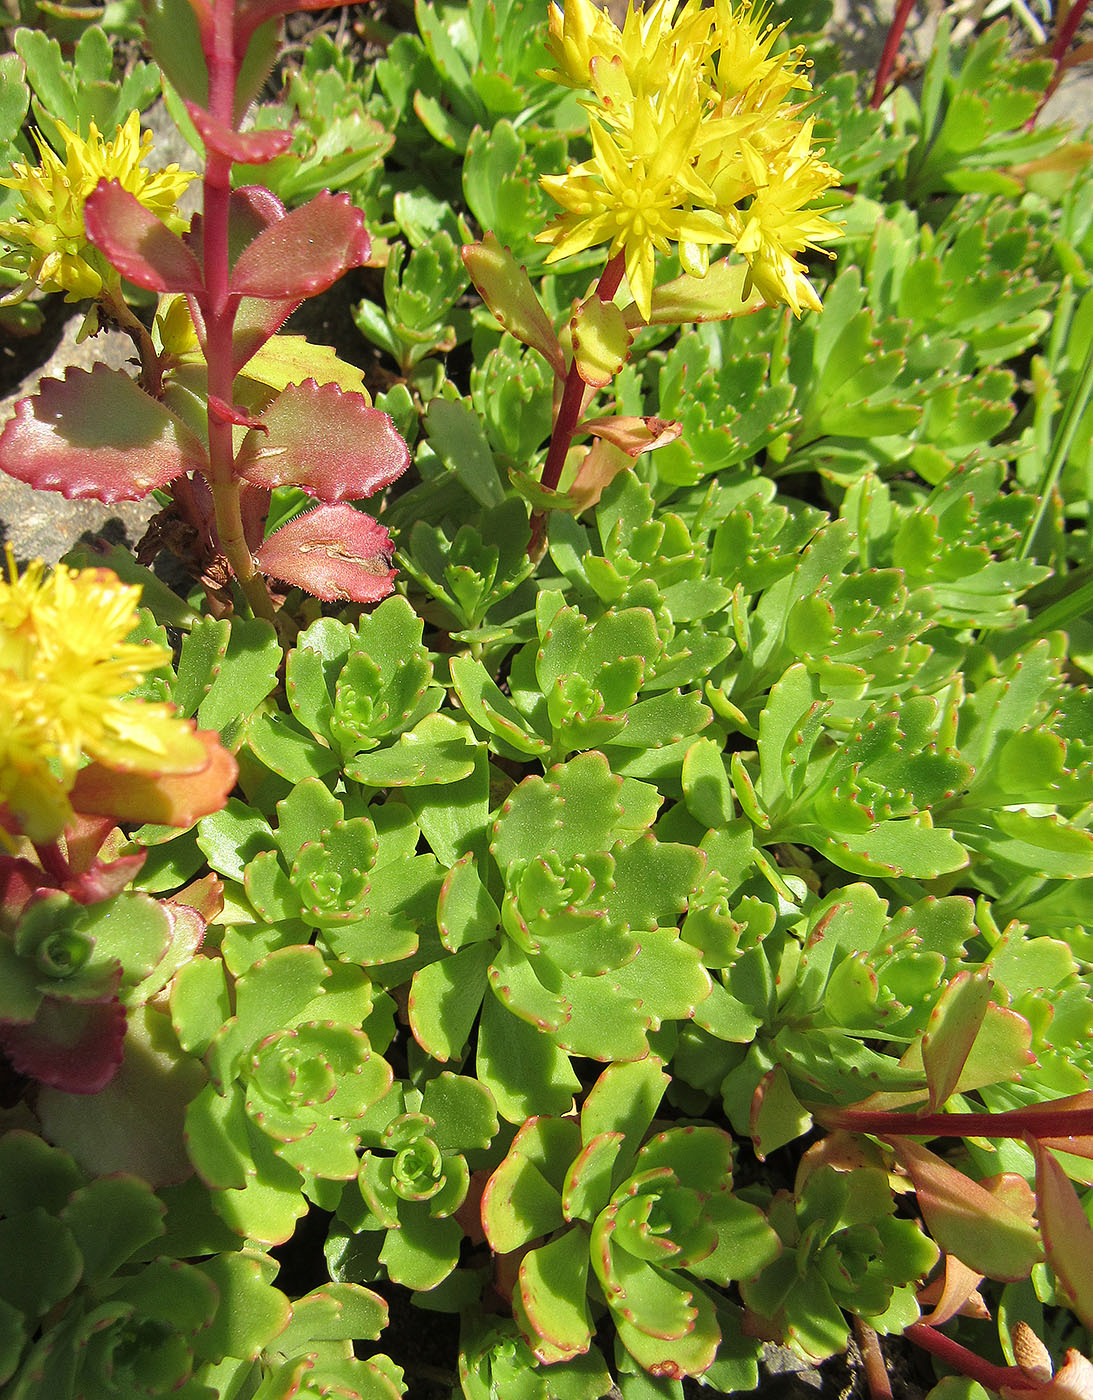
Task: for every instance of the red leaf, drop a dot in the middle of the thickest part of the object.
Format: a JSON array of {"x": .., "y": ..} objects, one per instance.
[
  {"x": 335, "y": 552},
  {"x": 330, "y": 443},
  {"x": 137, "y": 243},
  {"x": 72, "y": 1046},
  {"x": 169, "y": 799},
  {"x": 305, "y": 252},
  {"x": 248, "y": 147},
  {"x": 95, "y": 433},
  {"x": 231, "y": 413}
]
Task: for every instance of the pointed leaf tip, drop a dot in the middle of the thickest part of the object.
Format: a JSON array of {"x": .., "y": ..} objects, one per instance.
[
  {"x": 137, "y": 243},
  {"x": 305, "y": 252},
  {"x": 248, "y": 147}
]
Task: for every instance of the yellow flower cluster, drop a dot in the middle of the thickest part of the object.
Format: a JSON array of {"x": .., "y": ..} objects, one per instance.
[
  {"x": 48, "y": 242},
  {"x": 696, "y": 141},
  {"x": 65, "y": 667}
]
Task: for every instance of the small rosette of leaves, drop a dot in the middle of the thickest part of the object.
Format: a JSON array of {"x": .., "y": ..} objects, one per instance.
[
  {"x": 85, "y": 1313},
  {"x": 657, "y": 1224},
  {"x": 495, "y": 1360},
  {"x": 70, "y": 973},
  {"x": 290, "y": 1074},
  {"x": 419, "y": 1149},
  {"x": 843, "y": 1251},
  {"x": 582, "y": 685},
  {"x": 584, "y": 955},
  {"x": 332, "y": 866},
  {"x": 351, "y": 689}
]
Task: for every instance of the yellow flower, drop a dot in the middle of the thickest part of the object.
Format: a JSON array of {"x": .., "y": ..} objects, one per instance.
[
  {"x": 65, "y": 669},
  {"x": 694, "y": 142},
  {"x": 778, "y": 224},
  {"x": 48, "y": 240}
]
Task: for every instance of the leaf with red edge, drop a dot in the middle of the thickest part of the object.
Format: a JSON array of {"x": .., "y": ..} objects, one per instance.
[
  {"x": 73, "y": 1046},
  {"x": 335, "y": 552},
  {"x": 1068, "y": 1235},
  {"x": 967, "y": 1220},
  {"x": 506, "y": 289},
  {"x": 137, "y": 243},
  {"x": 305, "y": 252},
  {"x": 249, "y": 14},
  {"x": 96, "y": 433},
  {"x": 168, "y": 799},
  {"x": 330, "y": 443},
  {"x": 247, "y": 147},
  {"x": 951, "y": 1031}
]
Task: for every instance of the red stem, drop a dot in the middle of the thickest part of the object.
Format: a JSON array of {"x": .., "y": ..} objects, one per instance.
[
  {"x": 218, "y": 308},
  {"x": 569, "y": 410},
  {"x": 1064, "y": 36},
  {"x": 966, "y": 1362},
  {"x": 53, "y": 861},
  {"x": 891, "y": 46},
  {"x": 1038, "y": 1122}
]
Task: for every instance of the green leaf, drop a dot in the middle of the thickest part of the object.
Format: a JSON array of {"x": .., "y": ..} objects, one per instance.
[
  {"x": 456, "y": 434},
  {"x": 444, "y": 1000},
  {"x": 553, "y": 1280},
  {"x": 486, "y": 706},
  {"x": 252, "y": 1311},
  {"x": 520, "y": 1066},
  {"x": 983, "y": 1231}
]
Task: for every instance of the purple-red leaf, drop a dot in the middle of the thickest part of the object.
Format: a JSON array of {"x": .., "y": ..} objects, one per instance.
[
  {"x": 95, "y": 433},
  {"x": 248, "y": 147},
  {"x": 335, "y": 552},
  {"x": 305, "y": 252},
  {"x": 73, "y": 1046},
  {"x": 231, "y": 413},
  {"x": 330, "y": 443},
  {"x": 137, "y": 243}
]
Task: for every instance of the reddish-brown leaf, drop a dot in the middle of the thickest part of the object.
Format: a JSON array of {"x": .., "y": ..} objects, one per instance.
[
  {"x": 137, "y": 243},
  {"x": 335, "y": 552},
  {"x": 96, "y": 434},
  {"x": 330, "y": 443},
  {"x": 168, "y": 799},
  {"x": 305, "y": 252}
]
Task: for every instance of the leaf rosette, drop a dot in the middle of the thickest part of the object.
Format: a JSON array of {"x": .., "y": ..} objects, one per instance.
[
  {"x": 291, "y": 1072},
  {"x": 584, "y": 955},
  {"x": 420, "y": 1146},
  {"x": 656, "y": 1223}
]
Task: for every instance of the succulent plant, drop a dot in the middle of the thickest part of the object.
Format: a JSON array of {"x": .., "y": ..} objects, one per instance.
[{"x": 656, "y": 1220}]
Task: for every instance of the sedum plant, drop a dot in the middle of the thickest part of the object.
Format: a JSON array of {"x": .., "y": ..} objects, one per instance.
[{"x": 596, "y": 848}]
